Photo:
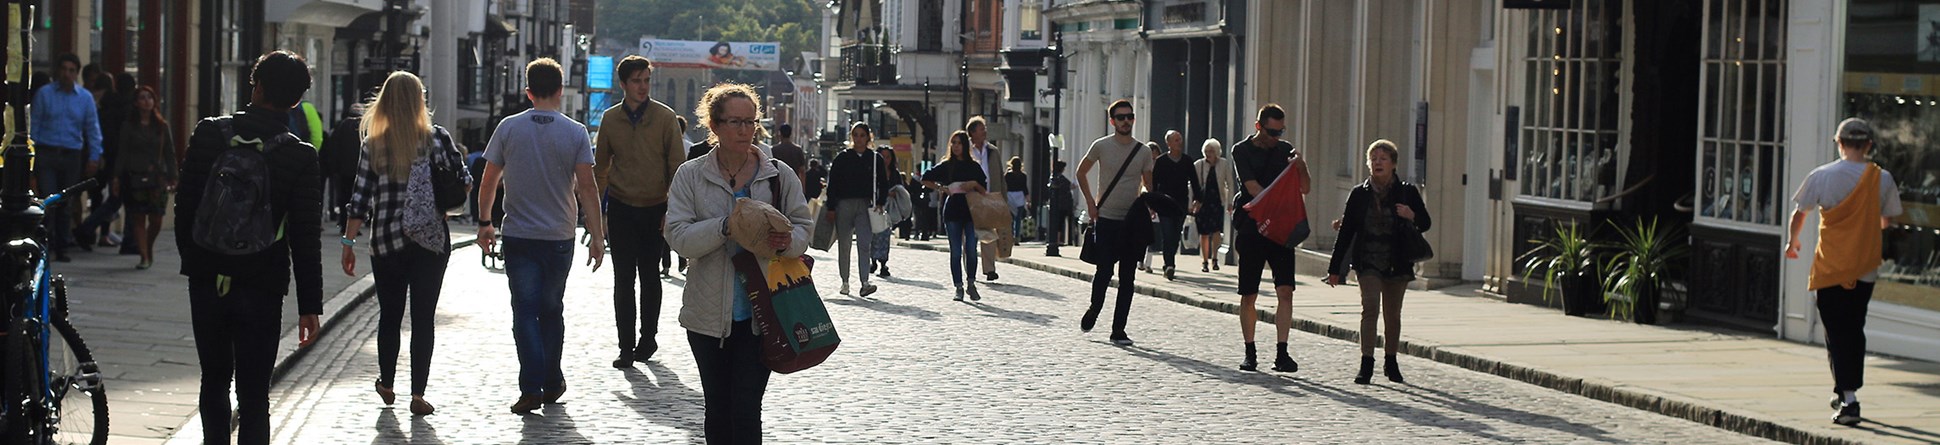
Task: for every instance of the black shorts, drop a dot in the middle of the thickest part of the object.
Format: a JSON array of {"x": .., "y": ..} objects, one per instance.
[{"x": 1255, "y": 254}]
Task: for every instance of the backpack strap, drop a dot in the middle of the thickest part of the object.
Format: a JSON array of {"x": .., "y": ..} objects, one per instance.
[{"x": 774, "y": 184}]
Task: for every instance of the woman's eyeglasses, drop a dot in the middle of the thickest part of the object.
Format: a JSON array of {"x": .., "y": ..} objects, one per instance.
[{"x": 743, "y": 123}]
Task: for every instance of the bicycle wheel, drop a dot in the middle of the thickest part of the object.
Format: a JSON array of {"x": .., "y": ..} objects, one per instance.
[
  {"x": 18, "y": 389},
  {"x": 80, "y": 403}
]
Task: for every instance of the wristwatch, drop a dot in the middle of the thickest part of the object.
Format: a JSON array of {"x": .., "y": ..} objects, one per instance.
[
  {"x": 348, "y": 242},
  {"x": 485, "y": 223}
]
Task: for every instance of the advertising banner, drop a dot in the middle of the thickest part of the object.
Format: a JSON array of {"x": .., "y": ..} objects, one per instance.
[{"x": 764, "y": 56}]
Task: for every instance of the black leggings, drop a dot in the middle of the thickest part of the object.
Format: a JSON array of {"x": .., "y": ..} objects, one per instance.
[
  {"x": 420, "y": 273},
  {"x": 732, "y": 383}
]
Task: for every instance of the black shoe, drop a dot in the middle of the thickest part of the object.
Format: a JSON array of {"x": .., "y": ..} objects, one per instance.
[
  {"x": 1121, "y": 340},
  {"x": 1285, "y": 363},
  {"x": 1367, "y": 371},
  {"x": 1202, "y": 267},
  {"x": 990, "y": 276},
  {"x": 1089, "y": 321},
  {"x": 1051, "y": 253},
  {"x": 972, "y": 290},
  {"x": 959, "y": 295},
  {"x": 1168, "y": 273},
  {"x": 644, "y": 350},
  {"x": 625, "y": 360},
  {"x": 883, "y": 271},
  {"x": 1252, "y": 362},
  {"x": 1392, "y": 368},
  {"x": 1848, "y": 415}
]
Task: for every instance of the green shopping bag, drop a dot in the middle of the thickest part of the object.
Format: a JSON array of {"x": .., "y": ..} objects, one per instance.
[{"x": 796, "y": 332}]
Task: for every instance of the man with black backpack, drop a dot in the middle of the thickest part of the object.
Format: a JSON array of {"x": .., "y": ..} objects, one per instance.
[{"x": 247, "y": 218}]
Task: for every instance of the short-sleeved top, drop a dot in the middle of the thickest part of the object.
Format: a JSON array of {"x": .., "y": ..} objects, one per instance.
[
  {"x": 539, "y": 150},
  {"x": 1259, "y": 164},
  {"x": 1828, "y": 185},
  {"x": 1106, "y": 155}
]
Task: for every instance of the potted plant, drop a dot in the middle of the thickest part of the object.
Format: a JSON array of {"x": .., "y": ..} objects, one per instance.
[
  {"x": 1638, "y": 267},
  {"x": 1567, "y": 258}
]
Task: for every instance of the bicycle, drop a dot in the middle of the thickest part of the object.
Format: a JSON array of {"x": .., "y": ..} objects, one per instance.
[{"x": 50, "y": 385}]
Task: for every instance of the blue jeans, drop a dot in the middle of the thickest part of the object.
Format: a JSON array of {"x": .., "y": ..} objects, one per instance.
[
  {"x": 1017, "y": 222},
  {"x": 536, "y": 271},
  {"x": 963, "y": 250}
]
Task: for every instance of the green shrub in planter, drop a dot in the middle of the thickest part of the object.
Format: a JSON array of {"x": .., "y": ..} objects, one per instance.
[{"x": 1637, "y": 268}]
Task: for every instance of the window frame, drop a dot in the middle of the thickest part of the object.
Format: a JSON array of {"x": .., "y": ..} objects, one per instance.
[{"x": 1739, "y": 65}]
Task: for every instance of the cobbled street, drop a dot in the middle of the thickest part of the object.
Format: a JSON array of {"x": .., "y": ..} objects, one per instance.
[{"x": 915, "y": 367}]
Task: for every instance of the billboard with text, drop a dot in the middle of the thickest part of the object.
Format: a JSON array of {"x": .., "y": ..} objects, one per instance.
[{"x": 721, "y": 55}]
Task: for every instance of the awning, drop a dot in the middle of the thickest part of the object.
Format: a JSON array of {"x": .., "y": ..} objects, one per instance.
[
  {"x": 331, "y": 13},
  {"x": 496, "y": 26}
]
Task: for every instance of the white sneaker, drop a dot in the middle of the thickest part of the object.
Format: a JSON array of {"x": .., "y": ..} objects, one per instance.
[{"x": 845, "y": 288}]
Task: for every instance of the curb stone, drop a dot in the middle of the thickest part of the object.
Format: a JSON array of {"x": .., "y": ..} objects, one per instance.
[{"x": 1597, "y": 389}]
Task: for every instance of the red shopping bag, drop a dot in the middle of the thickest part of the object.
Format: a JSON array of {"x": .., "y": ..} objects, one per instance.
[{"x": 1281, "y": 211}]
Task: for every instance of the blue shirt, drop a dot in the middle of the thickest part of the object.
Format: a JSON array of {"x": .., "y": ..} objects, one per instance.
[
  {"x": 66, "y": 119},
  {"x": 743, "y": 308}
]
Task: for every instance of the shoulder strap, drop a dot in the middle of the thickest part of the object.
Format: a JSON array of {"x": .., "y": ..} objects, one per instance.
[
  {"x": 1121, "y": 173},
  {"x": 774, "y": 185}
]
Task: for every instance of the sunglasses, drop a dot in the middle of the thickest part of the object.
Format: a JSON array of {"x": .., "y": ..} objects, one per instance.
[
  {"x": 1273, "y": 132},
  {"x": 1123, "y": 117}
]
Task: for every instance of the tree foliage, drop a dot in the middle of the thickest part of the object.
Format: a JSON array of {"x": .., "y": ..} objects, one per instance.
[{"x": 796, "y": 24}]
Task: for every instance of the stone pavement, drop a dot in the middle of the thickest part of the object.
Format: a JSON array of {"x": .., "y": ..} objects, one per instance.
[
  {"x": 1750, "y": 384},
  {"x": 916, "y": 367},
  {"x": 137, "y": 324}
]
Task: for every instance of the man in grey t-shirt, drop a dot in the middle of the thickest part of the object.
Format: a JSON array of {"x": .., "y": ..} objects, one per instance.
[
  {"x": 1846, "y": 261},
  {"x": 545, "y": 160},
  {"x": 1111, "y": 209}
]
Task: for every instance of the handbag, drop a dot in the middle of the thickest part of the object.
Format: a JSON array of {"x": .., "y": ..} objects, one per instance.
[
  {"x": 1415, "y": 246},
  {"x": 795, "y": 328},
  {"x": 1280, "y": 211},
  {"x": 448, "y": 180},
  {"x": 1094, "y": 252}
]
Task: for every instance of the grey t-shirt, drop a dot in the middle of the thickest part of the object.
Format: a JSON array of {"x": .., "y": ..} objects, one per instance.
[
  {"x": 1106, "y": 155},
  {"x": 539, "y": 149},
  {"x": 1827, "y": 186}
]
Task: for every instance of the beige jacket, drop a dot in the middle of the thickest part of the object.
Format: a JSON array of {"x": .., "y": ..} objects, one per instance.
[
  {"x": 697, "y": 207},
  {"x": 634, "y": 163}
]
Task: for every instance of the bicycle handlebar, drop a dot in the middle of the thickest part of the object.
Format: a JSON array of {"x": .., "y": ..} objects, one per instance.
[{"x": 57, "y": 198}]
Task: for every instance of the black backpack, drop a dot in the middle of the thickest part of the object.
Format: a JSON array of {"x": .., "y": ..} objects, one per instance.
[{"x": 234, "y": 217}]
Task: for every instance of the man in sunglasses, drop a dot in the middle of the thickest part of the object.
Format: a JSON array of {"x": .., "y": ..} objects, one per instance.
[
  {"x": 1126, "y": 169},
  {"x": 1259, "y": 161}
]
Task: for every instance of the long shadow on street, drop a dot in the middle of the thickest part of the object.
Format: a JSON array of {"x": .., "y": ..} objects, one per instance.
[
  {"x": 550, "y": 425},
  {"x": 661, "y": 398},
  {"x": 1023, "y": 316},
  {"x": 1287, "y": 384},
  {"x": 886, "y": 307}
]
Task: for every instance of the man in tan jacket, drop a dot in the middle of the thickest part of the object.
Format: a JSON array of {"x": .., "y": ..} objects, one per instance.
[
  {"x": 987, "y": 155},
  {"x": 635, "y": 155}
]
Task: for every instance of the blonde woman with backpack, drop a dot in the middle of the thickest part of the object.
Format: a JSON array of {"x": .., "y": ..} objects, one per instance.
[{"x": 410, "y": 243}]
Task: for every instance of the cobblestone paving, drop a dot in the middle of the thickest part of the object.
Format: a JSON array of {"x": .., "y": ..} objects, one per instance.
[{"x": 915, "y": 367}]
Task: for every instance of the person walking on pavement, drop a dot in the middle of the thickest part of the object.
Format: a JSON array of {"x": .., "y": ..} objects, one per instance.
[
  {"x": 339, "y": 156},
  {"x": 812, "y": 181},
  {"x": 1018, "y": 195},
  {"x": 1373, "y": 243},
  {"x": 1210, "y": 203},
  {"x": 1061, "y": 203},
  {"x": 147, "y": 171},
  {"x": 955, "y": 179},
  {"x": 1111, "y": 214},
  {"x": 66, "y": 132},
  {"x": 410, "y": 241},
  {"x": 1172, "y": 176},
  {"x": 788, "y": 153},
  {"x": 895, "y": 203},
  {"x": 1259, "y": 161},
  {"x": 853, "y": 184},
  {"x": 1856, "y": 201},
  {"x": 635, "y": 155},
  {"x": 236, "y": 301},
  {"x": 546, "y": 162},
  {"x": 986, "y": 155},
  {"x": 714, "y": 310}
]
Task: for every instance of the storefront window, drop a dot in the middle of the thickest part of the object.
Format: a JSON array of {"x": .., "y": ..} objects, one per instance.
[
  {"x": 1574, "y": 60},
  {"x": 1741, "y": 142},
  {"x": 1892, "y": 78}
]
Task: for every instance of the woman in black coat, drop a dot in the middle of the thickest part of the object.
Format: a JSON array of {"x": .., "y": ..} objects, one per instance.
[{"x": 1382, "y": 216}]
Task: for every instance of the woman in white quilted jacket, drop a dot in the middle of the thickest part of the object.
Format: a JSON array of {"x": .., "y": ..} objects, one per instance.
[{"x": 720, "y": 327}]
